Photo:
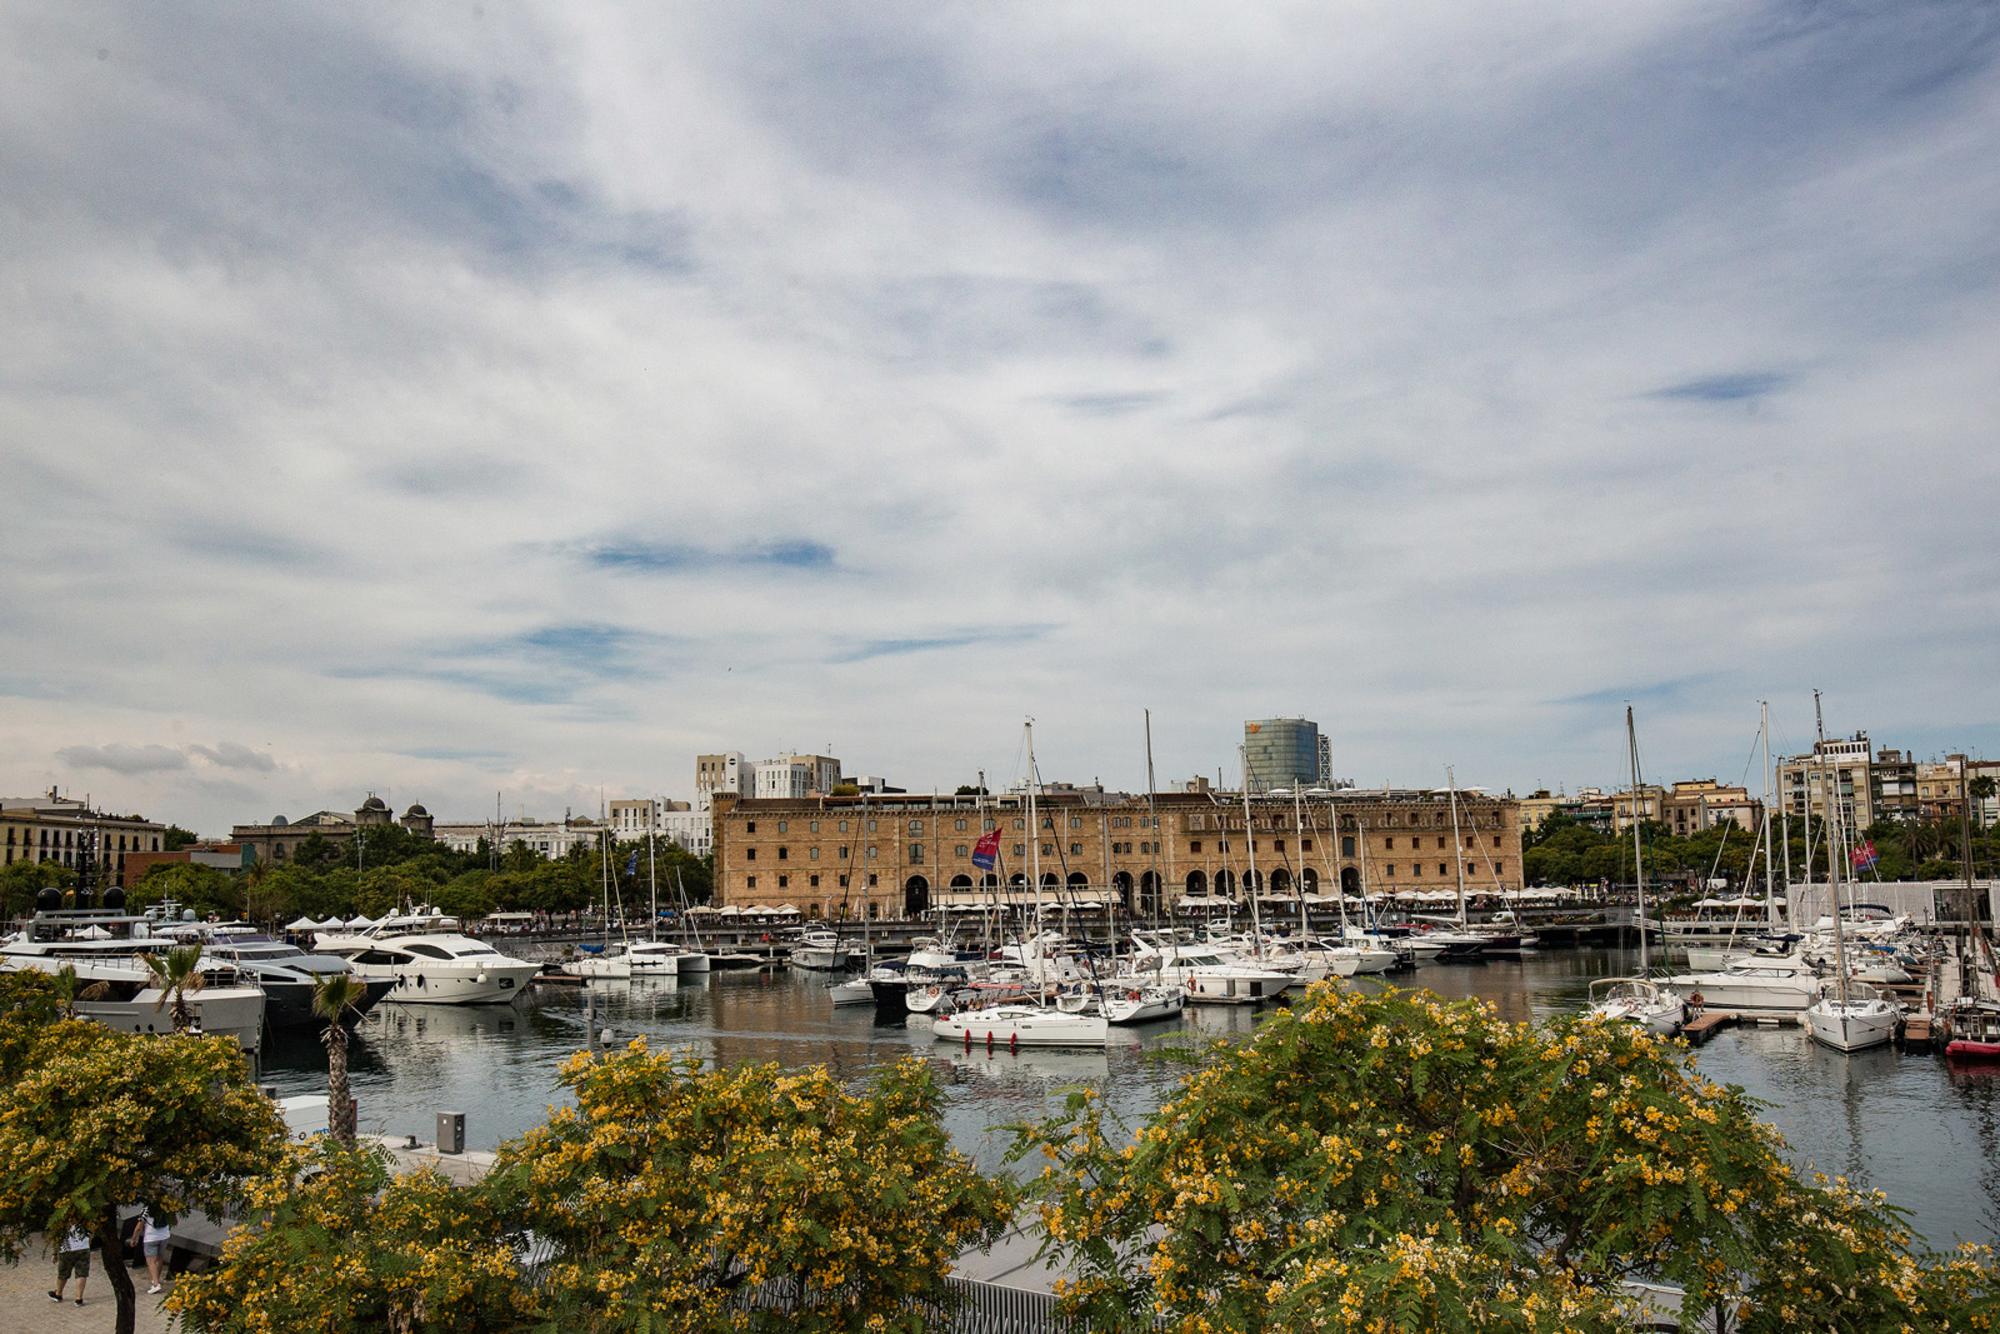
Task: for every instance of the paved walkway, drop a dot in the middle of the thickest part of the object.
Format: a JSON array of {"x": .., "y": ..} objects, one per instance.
[{"x": 25, "y": 1305}]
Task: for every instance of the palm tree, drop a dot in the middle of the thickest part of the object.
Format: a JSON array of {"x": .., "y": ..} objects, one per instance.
[
  {"x": 70, "y": 989},
  {"x": 178, "y": 973},
  {"x": 333, "y": 996}
]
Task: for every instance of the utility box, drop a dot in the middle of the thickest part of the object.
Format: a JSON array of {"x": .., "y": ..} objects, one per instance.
[{"x": 451, "y": 1132}]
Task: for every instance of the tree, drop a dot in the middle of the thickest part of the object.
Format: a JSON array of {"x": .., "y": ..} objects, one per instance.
[
  {"x": 1392, "y": 1156},
  {"x": 70, "y": 989},
  {"x": 333, "y": 996},
  {"x": 347, "y": 1248},
  {"x": 177, "y": 838},
  {"x": 661, "y": 1201},
  {"x": 201, "y": 888},
  {"x": 177, "y": 973},
  {"x": 317, "y": 851},
  {"x": 95, "y": 1120},
  {"x": 670, "y": 1187},
  {"x": 21, "y": 882}
]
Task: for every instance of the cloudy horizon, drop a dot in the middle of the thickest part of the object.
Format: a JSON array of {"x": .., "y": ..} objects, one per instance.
[{"x": 527, "y": 399}]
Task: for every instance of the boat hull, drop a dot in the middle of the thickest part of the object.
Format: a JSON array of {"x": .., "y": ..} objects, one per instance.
[
  {"x": 1027, "y": 1027},
  {"x": 1850, "y": 1030},
  {"x": 233, "y": 1012},
  {"x": 446, "y": 984}
]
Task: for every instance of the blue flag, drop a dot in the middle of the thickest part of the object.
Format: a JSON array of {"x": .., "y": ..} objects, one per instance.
[{"x": 632, "y": 864}]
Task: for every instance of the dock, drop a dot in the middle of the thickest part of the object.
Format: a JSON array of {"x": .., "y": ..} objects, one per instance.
[{"x": 1704, "y": 1025}]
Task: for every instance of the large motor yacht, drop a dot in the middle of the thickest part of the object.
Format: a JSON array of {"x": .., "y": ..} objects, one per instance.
[
  {"x": 107, "y": 947},
  {"x": 430, "y": 961},
  {"x": 287, "y": 973}
]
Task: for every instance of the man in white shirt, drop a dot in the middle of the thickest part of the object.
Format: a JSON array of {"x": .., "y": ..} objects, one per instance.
[{"x": 73, "y": 1257}]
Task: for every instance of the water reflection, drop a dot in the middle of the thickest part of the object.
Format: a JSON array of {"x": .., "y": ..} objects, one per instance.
[{"x": 1927, "y": 1133}]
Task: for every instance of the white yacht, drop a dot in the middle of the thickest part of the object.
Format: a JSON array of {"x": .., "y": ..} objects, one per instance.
[
  {"x": 1211, "y": 975},
  {"x": 107, "y": 946},
  {"x": 1852, "y": 1018},
  {"x": 819, "y": 949},
  {"x": 1781, "y": 986},
  {"x": 431, "y": 962},
  {"x": 1014, "y": 1024},
  {"x": 854, "y": 991},
  {"x": 1637, "y": 1000},
  {"x": 288, "y": 975}
]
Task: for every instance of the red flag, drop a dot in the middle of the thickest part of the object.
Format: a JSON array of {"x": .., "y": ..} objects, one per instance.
[{"x": 986, "y": 849}]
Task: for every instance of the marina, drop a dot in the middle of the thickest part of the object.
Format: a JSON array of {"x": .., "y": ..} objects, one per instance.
[{"x": 1922, "y": 1128}]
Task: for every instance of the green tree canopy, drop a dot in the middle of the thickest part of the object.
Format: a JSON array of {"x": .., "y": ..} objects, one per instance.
[
  {"x": 95, "y": 1120},
  {"x": 1399, "y": 1158},
  {"x": 347, "y": 1248}
]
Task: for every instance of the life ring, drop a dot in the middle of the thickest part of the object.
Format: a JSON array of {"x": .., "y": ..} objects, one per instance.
[
  {"x": 1134, "y": 995},
  {"x": 1694, "y": 1000}
]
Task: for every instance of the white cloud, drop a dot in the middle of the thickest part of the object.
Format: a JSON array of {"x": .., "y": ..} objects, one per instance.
[{"x": 1415, "y": 367}]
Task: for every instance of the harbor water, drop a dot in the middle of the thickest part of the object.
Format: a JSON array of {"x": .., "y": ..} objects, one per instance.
[{"x": 1926, "y": 1133}]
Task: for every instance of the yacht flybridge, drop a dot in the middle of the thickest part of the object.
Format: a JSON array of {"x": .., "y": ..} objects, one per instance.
[
  {"x": 108, "y": 947},
  {"x": 430, "y": 961}
]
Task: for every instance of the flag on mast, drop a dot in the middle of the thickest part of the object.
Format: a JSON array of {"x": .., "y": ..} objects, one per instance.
[
  {"x": 987, "y": 849},
  {"x": 1863, "y": 857}
]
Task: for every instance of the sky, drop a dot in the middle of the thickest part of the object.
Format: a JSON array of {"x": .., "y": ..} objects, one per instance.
[{"x": 462, "y": 399}]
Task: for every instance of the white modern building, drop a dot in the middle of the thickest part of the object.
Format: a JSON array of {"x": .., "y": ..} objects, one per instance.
[{"x": 550, "y": 838}]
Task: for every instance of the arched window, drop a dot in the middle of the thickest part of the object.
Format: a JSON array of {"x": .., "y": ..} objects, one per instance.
[
  {"x": 1225, "y": 884},
  {"x": 1197, "y": 883}
]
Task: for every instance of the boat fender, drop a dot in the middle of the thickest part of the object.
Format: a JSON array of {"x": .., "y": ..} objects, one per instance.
[{"x": 481, "y": 979}]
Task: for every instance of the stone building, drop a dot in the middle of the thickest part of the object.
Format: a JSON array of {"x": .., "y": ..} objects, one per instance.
[
  {"x": 901, "y": 855},
  {"x": 279, "y": 839},
  {"x": 59, "y": 829}
]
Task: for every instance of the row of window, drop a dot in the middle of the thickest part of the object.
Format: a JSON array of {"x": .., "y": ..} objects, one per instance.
[
  {"x": 812, "y": 881},
  {"x": 67, "y": 838}
]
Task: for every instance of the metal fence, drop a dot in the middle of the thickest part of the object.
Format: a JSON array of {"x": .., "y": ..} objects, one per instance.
[{"x": 976, "y": 1307}]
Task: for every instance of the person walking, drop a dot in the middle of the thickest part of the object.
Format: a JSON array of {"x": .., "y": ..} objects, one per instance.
[
  {"x": 151, "y": 1236},
  {"x": 72, "y": 1258}
]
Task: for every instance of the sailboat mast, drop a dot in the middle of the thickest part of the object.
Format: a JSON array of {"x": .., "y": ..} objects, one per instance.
[
  {"x": 1299, "y": 839},
  {"x": 1638, "y": 813},
  {"x": 1250, "y": 852},
  {"x": 1035, "y": 850},
  {"x": 653, "y": 872},
  {"x": 1770, "y": 900},
  {"x": 1153, "y": 823},
  {"x": 1833, "y": 888},
  {"x": 1457, "y": 848}
]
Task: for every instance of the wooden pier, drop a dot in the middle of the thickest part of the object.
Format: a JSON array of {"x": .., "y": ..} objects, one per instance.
[{"x": 1704, "y": 1025}]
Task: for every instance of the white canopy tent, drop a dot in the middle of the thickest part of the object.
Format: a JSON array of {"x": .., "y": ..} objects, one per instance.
[{"x": 302, "y": 924}]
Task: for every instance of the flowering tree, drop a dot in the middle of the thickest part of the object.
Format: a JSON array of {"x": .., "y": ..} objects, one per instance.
[
  {"x": 345, "y": 1248},
  {"x": 672, "y": 1193},
  {"x": 92, "y": 1120},
  {"x": 672, "y": 1197},
  {"x": 1393, "y": 1158}
]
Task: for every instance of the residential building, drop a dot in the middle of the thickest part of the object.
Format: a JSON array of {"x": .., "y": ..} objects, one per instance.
[
  {"x": 1537, "y": 808},
  {"x": 1835, "y": 776},
  {"x": 1941, "y": 788},
  {"x": 278, "y": 839},
  {"x": 782, "y": 780},
  {"x": 1285, "y": 753},
  {"x": 1704, "y": 803},
  {"x": 901, "y": 855},
  {"x": 1647, "y": 803},
  {"x": 727, "y": 771},
  {"x": 1892, "y": 785},
  {"x": 93, "y": 843},
  {"x": 548, "y": 838},
  {"x": 675, "y": 821}
]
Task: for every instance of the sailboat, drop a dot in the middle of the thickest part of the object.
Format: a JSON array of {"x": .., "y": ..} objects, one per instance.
[
  {"x": 1851, "y": 1016},
  {"x": 1014, "y": 1024},
  {"x": 1638, "y": 999}
]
